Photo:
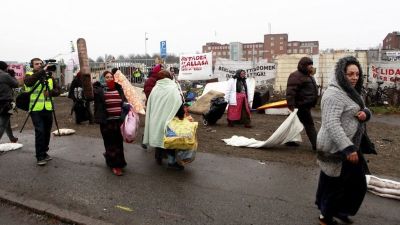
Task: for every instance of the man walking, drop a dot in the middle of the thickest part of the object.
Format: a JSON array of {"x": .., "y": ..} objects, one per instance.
[{"x": 302, "y": 93}]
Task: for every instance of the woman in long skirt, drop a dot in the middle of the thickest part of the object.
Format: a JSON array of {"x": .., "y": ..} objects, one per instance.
[
  {"x": 342, "y": 185},
  {"x": 108, "y": 102}
]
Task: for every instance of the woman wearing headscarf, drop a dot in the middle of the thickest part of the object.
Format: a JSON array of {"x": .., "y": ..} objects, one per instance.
[
  {"x": 342, "y": 185},
  {"x": 108, "y": 101},
  {"x": 151, "y": 81},
  {"x": 238, "y": 98},
  {"x": 164, "y": 103}
]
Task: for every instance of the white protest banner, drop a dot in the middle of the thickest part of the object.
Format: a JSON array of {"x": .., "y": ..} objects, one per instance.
[
  {"x": 262, "y": 72},
  {"x": 195, "y": 67},
  {"x": 389, "y": 73},
  {"x": 19, "y": 70}
]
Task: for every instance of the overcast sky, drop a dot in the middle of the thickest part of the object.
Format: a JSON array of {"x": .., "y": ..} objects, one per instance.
[{"x": 44, "y": 28}]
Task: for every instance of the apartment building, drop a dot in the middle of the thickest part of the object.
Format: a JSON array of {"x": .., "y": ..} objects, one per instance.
[
  {"x": 273, "y": 45},
  {"x": 391, "y": 41}
]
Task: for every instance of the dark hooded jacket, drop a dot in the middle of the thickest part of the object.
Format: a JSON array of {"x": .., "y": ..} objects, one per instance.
[
  {"x": 151, "y": 81},
  {"x": 301, "y": 88},
  {"x": 7, "y": 83}
]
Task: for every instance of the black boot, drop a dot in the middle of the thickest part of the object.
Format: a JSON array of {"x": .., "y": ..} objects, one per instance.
[
  {"x": 158, "y": 155},
  {"x": 175, "y": 166}
]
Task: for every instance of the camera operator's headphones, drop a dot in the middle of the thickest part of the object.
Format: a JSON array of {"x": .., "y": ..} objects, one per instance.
[{"x": 34, "y": 59}]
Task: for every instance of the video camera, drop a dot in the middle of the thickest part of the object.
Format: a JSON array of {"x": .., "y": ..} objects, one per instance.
[{"x": 51, "y": 65}]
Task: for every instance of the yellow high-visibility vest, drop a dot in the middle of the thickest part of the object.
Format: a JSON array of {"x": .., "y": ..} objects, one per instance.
[{"x": 42, "y": 102}]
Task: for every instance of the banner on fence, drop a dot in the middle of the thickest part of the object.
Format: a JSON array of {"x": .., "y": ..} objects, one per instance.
[
  {"x": 388, "y": 73},
  {"x": 262, "y": 72},
  {"x": 19, "y": 70},
  {"x": 195, "y": 67}
]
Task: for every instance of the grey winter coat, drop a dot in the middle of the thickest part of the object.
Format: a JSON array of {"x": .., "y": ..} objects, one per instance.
[
  {"x": 7, "y": 83},
  {"x": 339, "y": 125}
]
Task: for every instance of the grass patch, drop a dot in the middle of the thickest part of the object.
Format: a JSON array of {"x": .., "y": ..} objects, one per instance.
[{"x": 385, "y": 109}]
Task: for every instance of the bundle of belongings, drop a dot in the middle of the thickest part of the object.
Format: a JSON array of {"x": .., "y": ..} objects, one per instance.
[
  {"x": 383, "y": 187},
  {"x": 181, "y": 136}
]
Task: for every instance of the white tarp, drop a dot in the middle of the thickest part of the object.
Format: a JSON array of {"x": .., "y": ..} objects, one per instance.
[
  {"x": 263, "y": 72},
  {"x": 222, "y": 86},
  {"x": 195, "y": 66},
  {"x": 289, "y": 130},
  {"x": 383, "y": 187}
]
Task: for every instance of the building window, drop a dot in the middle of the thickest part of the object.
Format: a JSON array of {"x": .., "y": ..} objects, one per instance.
[
  {"x": 294, "y": 51},
  {"x": 301, "y": 50},
  {"x": 294, "y": 44},
  {"x": 289, "y": 51},
  {"x": 281, "y": 38},
  {"x": 260, "y": 45},
  {"x": 272, "y": 43},
  {"x": 307, "y": 50},
  {"x": 281, "y": 43},
  {"x": 289, "y": 44},
  {"x": 272, "y": 38},
  {"x": 281, "y": 48}
]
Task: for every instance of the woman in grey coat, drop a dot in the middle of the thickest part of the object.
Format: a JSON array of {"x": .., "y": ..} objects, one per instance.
[{"x": 342, "y": 185}]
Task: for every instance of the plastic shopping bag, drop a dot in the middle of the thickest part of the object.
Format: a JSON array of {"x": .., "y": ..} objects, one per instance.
[
  {"x": 181, "y": 135},
  {"x": 130, "y": 127}
]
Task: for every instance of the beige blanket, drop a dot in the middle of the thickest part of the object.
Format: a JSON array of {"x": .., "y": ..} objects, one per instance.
[{"x": 202, "y": 105}]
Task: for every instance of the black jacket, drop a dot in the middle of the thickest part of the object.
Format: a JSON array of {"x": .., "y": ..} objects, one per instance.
[
  {"x": 301, "y": 89},
  {"x": 76, "y": 83},
  {"x": 100, "y": 111}
]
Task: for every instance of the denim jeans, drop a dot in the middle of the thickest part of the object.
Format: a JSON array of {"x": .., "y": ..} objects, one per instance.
[{"x": 42, "y": 121}]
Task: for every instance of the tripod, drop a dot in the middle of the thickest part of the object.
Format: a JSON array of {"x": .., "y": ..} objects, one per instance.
[{"x": 45, "y": 86}]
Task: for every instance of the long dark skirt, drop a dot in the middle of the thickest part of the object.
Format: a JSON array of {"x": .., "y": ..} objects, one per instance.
[
  {"x": 113, "y": 144},
  {"x": 81, "y": 112},
  {"x": 342, "y": 195}
]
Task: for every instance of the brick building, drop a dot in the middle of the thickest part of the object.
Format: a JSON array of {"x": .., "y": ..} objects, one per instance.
[
  {"x": 273, "y": 45},
  {"x": 218, "y": 50},
  {"x": 391, "y": 41}
]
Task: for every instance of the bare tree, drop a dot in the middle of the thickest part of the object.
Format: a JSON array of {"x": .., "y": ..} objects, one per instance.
[
  {"x": 100, "y": 59},
  {"x": 121, "y": 58}
]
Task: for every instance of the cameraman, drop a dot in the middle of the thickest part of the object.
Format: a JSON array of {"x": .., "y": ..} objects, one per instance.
[
  {"x": 7, "y": 83},
  {"x": 41, "y": 113}
]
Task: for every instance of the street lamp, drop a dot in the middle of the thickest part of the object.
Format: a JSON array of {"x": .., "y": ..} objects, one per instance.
[{"x": 145, "y": 43}]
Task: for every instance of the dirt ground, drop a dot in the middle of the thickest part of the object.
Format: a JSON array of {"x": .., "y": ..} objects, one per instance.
[{"x": 385, "y": 135}]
